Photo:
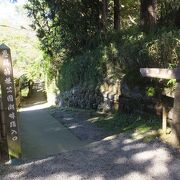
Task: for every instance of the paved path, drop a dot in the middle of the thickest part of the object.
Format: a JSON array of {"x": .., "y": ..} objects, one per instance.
[{"x": 42, "y": 135}]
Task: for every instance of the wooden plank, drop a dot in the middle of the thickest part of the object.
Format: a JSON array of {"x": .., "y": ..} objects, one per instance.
[
  {"x": 161, "y": 73},
  {"x": 9, "y": 102},
  {"x": 169, "y": 74}
]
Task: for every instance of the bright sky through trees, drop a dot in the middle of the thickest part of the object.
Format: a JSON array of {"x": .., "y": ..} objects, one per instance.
[
  {"x": 17, "y": 34},
  {"x": 12, "y": 13}
]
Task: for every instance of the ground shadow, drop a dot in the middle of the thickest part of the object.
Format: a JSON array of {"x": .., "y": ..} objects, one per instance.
[{"x": 116, "y": 158}]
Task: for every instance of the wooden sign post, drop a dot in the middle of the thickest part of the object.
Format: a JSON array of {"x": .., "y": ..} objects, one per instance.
[
  {"x": 8, "y": 109},
  {"x": 169, "y": 74},
  {"x": 4, "y": 156}
]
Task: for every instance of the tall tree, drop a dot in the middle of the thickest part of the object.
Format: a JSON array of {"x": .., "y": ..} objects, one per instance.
[
  {"x": 104, "y": 15},
  {"x": 177, "y": 18},
  {"x": 148, "y": 14},
  {"x": 64, "y": 24},
  {"x": 116, "y": 14}
]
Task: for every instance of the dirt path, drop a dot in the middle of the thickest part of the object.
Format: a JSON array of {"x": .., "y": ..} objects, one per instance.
[{"x": 38, "y": 97}]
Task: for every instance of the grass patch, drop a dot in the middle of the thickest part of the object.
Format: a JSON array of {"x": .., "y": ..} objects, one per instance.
[{"x": 118, "y": 123}]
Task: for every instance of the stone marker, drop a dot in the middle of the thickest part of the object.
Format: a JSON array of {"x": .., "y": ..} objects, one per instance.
[
  {"x": 8, "y": 109},
  {"x": 169, "y": 74}
]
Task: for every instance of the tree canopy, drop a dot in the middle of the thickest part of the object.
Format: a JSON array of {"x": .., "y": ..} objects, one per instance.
[{"x": 68, "y": 29}]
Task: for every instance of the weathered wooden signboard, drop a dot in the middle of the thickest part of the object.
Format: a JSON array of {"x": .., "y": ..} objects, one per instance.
[
  {"x": 8, "y": 109},
  {"x": 169, "y": 74},
  {"x": 161, "y": 73}
]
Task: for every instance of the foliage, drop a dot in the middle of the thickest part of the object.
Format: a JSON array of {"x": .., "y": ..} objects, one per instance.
[
  {"x": 86, "y": 69},
  {"x": 150, "y": 91},
  {"x": 23, "y": 81},
  {"x": 26, "y": 56},
  {"x": 168, "y": 12},
  {"x": 129, "y": 13},
  {"x": 78, "y": 53},
  {"x": 116, "y": 57},
  {"x": 68, "y": 24},
  {"x": 163, "y": 49}
]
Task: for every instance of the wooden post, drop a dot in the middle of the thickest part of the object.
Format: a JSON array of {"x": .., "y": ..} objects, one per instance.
[
  {"x": 164, "y": 120},
  {"x": 9, "y": 102},
  {"x": 176, "y": 114},
  {"x": 3, "y": 140},
  {"x": 169, "y": 74}
]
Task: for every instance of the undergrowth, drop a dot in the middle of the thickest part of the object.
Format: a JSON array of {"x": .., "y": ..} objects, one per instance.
[{"x": 121, "y": 122}]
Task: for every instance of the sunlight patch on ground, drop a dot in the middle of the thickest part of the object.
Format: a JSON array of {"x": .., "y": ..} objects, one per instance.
[
  {"x": 131, "y": 146},
  {"x": 127, "y": 141},
  {"x": 110, "y": 138},
  {"x": 67, "y": 118},
  {"x": 74, "y": 126},
  {"x": 93, "y": 120},
  {"x": 35, "y": 107},
  {"x": 151, "y": 134},
  {"x": 136, "y": 175}
]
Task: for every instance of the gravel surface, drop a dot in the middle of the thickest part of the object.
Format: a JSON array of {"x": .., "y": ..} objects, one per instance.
[
  {"x": 118, "y": 157},
  {"x": 114, "y": 157}
]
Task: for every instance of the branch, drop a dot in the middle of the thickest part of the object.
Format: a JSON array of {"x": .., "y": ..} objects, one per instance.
[{"x": 132, "y": 20}]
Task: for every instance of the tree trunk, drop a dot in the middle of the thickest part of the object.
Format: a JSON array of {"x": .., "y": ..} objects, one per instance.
[
  {"x": 99, "y": 15},
  {"x": 116, "y": 14},
  {"x": 177, "y": 19},
  {"x": 30, "y": 87},
  {"x": 148, "y": 15},
  {"x": 104, "y": 15}
]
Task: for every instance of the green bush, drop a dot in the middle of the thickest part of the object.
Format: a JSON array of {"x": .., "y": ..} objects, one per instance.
[{"x": 122, "y": 53}]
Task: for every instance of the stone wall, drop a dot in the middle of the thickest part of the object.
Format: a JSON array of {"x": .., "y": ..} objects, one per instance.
[
  {"x": 110, "y": 91},
  {"x": 104, "y": 97},
  {"x": 114, "y": 95},
  {"x": 85, "y": 98}
]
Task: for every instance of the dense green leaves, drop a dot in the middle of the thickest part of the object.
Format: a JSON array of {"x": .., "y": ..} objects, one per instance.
[
  {"x": 169, "y": 12},
  {"x": 81, "y": 47},
  {"x": 64, "y": 24}
]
